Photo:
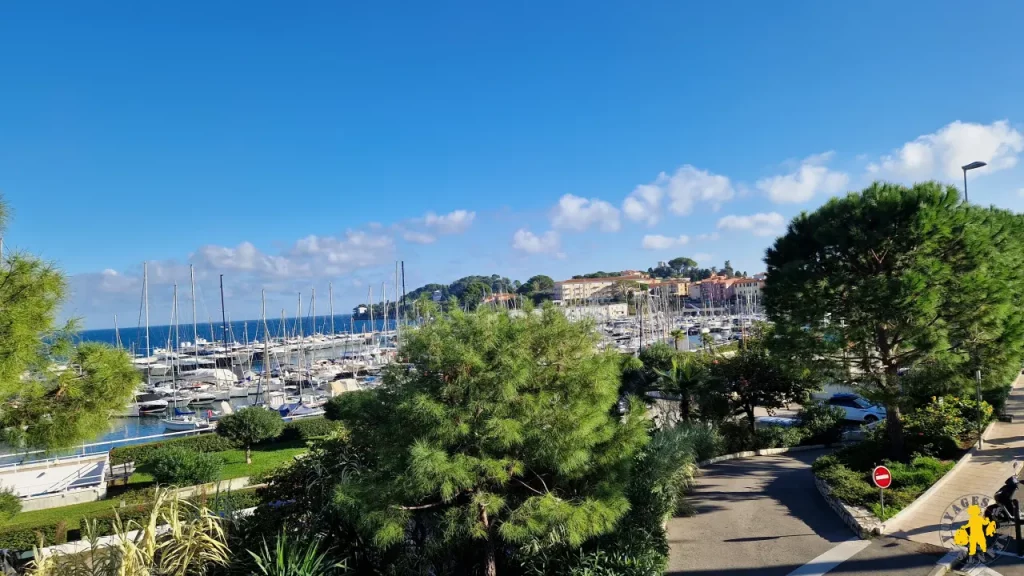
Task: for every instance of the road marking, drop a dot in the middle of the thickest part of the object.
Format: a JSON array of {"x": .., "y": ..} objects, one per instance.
[
  {"x": 832, "y": 558},
  {"x": 982, "y": 571}
]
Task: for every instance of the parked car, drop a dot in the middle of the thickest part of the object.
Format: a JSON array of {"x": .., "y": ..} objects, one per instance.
[{"x": 858, "y": 409}]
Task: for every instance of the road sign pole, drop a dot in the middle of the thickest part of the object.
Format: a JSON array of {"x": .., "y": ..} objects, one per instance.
[{"x": 881, "y": 500}]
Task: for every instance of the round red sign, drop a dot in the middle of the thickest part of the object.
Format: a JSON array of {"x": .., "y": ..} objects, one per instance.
[{"x": 881, "y": 476}]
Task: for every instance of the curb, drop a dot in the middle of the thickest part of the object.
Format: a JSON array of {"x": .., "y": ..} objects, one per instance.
[
  {"x": 945, "y": 564},
  {"x": 891, "y": 523},
  {"x": 762, "y": 452}
]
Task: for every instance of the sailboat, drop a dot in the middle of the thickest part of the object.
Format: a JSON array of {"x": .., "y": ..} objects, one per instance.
[{"x": 184, "y": 419}]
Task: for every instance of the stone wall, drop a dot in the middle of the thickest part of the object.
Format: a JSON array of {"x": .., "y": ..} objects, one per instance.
[{"x": 860, "y": 520}]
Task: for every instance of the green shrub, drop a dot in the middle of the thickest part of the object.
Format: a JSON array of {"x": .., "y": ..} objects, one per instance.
[
  {"x": 139, "y": 453},
  {"x": 18, "y": 537},
  {"x": 178, "y": 466},
  {"x": 822, "y": 423},
  {"x": 706, "y": 441},
  {"x": 737, "y": 436},
  {"x": 10, "y": 503},
  {"x": 307, "y": 429},
  {"x": 942, "y": 427},
  {"x": 104, "y": 521},
  {"x": 853, "y": 485},
  {"x": 777, "y": 437}
]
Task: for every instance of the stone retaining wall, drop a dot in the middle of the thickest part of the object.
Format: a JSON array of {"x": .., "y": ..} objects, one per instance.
[{"x": 860, "y": 520}]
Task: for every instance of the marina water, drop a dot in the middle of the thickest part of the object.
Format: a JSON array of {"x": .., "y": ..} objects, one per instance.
[{"x": 125, "y": 431}]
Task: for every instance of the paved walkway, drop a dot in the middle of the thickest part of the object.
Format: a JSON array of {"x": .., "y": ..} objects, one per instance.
[
  {"x": 763, "y": 516},
  {"x": 983, "y": 474}
]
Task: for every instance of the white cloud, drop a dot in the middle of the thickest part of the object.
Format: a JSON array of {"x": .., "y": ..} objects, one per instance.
[
  {"x": 1020, "y": 192},
  {"x": 812, "y": 177},
  {"x": 760, "y": 224},
  {"x": 644, "y": 204},
  {"x": 712, "y": 236},
  {"x": 682, "y": 190},
  {"x": 659, "y": 242},
  {"x": 418, "y": 237},
  {"x": 576, "y": 213},
  {"x": 454, "y": 222},
  {"x": 703, "y": 258},
  {"x": 941, "y": 154},
  {"x": 526, "y": 241}
]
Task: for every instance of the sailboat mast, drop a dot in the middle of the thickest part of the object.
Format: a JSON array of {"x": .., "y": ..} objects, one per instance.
[
  {"x": 397, "y": 301},
  {"x": 195, "y": 324},
  {"x": 369, "y": 296},
  {"x": 117, "y": 333},
  {"x": 145, "y": 297},
  {"x": 223, "y": 313},
  {"x": 266, "y": 348},
  {"x": 330, "y": 300},
  {"x": 177, "y": 343},
  {"x": 384, "y": 299},
  {"x": 312, "y": 312}
]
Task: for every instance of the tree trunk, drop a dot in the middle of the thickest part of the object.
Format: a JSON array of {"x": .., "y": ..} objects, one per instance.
[
  {"x": 894, "y": 428},
  {"x": 492, "y": 564},
  {"x": 750, "y": 417},
  {"x": 684, "y": 407},
  {"x": 248, "y": 454}
]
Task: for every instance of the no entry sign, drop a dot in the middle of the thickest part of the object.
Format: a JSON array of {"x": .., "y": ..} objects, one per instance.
[{"x": 881, "y": 477}]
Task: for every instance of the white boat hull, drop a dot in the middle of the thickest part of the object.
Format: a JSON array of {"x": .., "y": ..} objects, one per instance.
[{"x": 184, "y": 425}]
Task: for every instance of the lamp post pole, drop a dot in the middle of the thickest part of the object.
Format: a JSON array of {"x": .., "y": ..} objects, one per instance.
[
  {"x": 977, "y": 372},
  {"x": 967, "y": 167}
]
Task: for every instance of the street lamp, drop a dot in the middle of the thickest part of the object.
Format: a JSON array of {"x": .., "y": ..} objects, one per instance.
[
  {"x": 977, "y": 372},
  {"x": 971, "y": 166}
]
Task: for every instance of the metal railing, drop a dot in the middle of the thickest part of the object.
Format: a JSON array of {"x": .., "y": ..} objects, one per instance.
[{"x": 85, "y": 448}]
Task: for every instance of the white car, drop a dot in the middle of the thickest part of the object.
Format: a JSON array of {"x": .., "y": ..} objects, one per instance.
[{"x": 857, "y": 409}]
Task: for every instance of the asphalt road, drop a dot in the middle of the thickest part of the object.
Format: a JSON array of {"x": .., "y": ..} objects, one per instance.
[{"x": 764, "y": 516}]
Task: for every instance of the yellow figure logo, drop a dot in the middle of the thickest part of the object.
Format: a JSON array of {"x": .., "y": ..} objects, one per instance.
[{"x": 974, "y": 531}]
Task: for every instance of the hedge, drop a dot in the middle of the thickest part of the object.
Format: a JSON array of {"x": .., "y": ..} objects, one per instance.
[
  {"x": 307, "y": 429},
  {"x": 139, "y": 453},
  {"x": 24, "y": 537},
  {"x": 302, "y": 429}
]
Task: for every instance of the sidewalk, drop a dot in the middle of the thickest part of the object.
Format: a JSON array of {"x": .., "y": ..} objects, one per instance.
[{"x": 983, "y": 474}]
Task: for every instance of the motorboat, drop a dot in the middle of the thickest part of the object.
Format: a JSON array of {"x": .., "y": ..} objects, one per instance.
[
  {"x": 204, "y": 397},
  {"x": 149, "y": 403},
  {"x": 184, "y": 420}
]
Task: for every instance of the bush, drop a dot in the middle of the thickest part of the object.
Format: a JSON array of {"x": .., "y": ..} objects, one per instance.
[
  {"x": 307, "y": 429},
  {"x": 175, "y": 465},
  {"x": 10, "y": 504},
  {"x": 853, "y": 485},
  {"x": 17, "y": 537},
  {"x": 737, "y": 436},
  {"x": 943, "y": 426},
  {"x": 706, "y": 441},
  {"x": 139, "y": 453},
  {"x": 822, "y": 423},
  {"x": 777, "y": 437}
]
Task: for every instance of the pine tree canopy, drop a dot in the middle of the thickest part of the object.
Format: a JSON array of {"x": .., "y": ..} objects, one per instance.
[
  {"x": 42, "y": 405},
  {"x": 893, "y": 277},
  {"x": 500, "y": 428}
]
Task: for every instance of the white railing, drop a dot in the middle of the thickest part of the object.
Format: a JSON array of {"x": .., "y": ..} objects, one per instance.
[{"x": 85, "y": 447}]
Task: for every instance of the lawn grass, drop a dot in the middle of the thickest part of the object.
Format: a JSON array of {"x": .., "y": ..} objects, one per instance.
[
  {"x": 71, "y": 514},
  {"x": 264, "y": 458}
]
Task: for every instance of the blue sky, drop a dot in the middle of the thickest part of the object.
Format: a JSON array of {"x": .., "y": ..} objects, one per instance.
[{"x": 286, "y": 145}]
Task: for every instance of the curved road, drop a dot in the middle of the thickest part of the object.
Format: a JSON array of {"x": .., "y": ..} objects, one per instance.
[{"x": 764, "y": 516}]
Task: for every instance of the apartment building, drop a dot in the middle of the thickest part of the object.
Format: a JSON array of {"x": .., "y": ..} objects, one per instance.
[{"x": 600, "y": 289}]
